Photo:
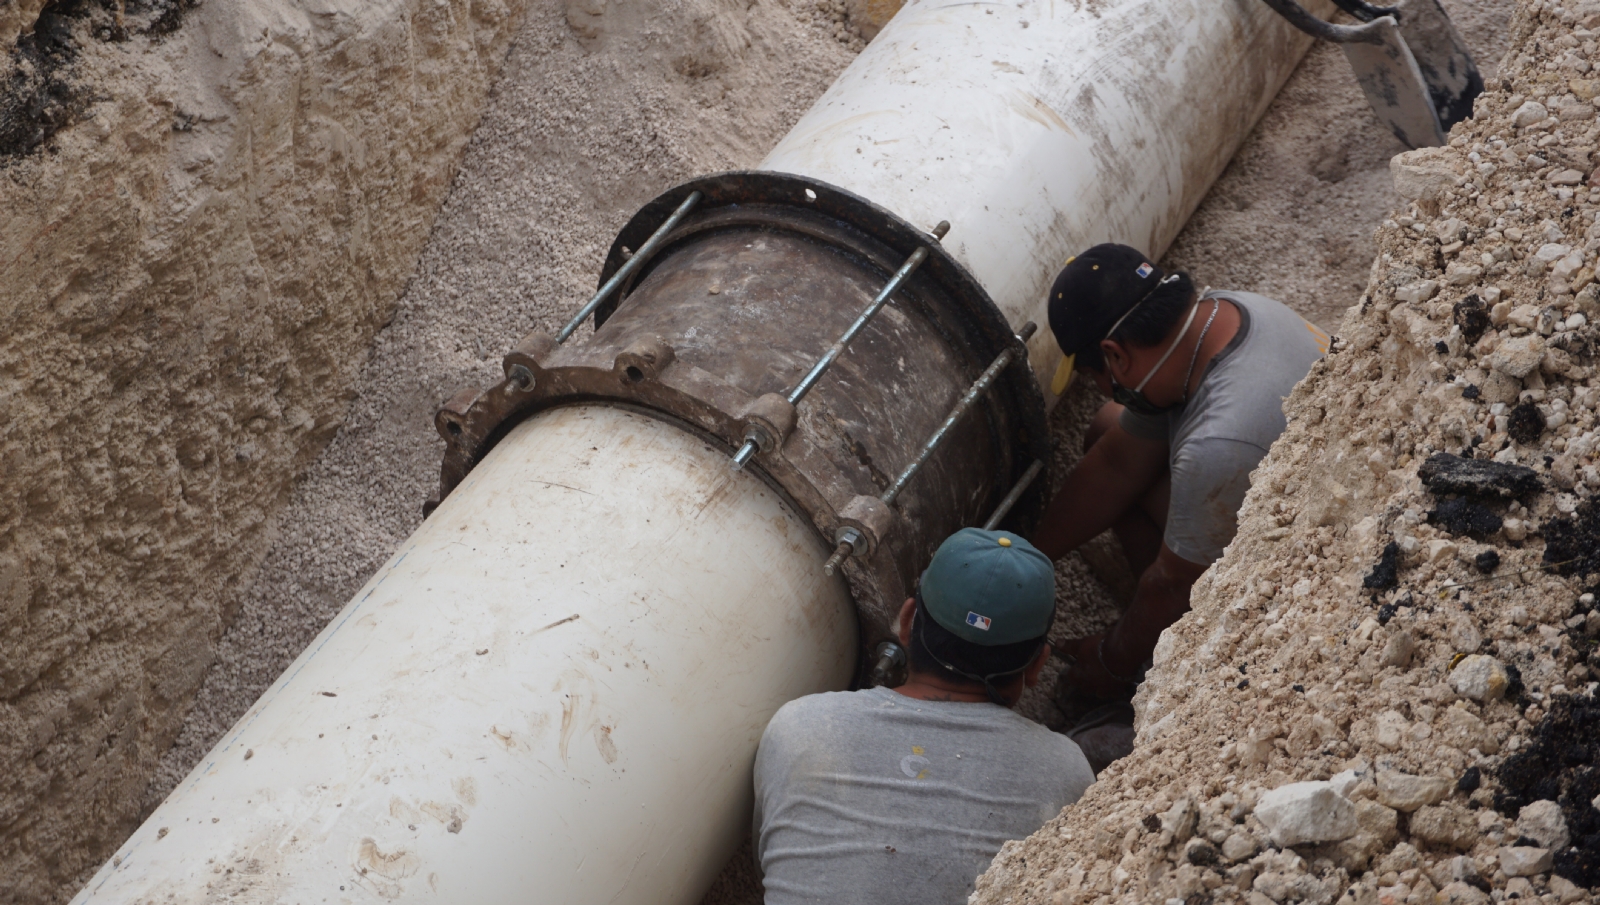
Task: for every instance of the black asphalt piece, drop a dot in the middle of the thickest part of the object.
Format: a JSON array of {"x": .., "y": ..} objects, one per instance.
[
  {"x": 1526, "y": 423},
  {"x": 1202, "y": 854},
  {"x": 1386, "y": 573},
  {"x": 1472, "y": 316},
  {"x": 40, "y": 98},
  {"x": 1487, "y": 561},
  {"x": 42, "y": 95},
  {"x": 1470, "y": 780},
  {"x": 1459, "y": 516},
  {"x": 1444, "y": 473},
  {"x": 1572, "y": 545},
  {"x": 1562, "y": 764}
]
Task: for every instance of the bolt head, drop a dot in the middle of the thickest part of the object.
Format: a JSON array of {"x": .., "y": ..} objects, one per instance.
[{"x": 521, "y": 378}]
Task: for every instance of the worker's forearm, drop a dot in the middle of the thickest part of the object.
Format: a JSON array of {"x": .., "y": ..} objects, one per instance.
[
  {"x": 1082, "y": 508},
  {"x": 1160, "y": 601}
]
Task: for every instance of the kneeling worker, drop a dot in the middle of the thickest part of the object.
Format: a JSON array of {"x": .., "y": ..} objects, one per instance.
[
  {"x": 905, "y": 794},
  {"x": 1197, "y": 383}
]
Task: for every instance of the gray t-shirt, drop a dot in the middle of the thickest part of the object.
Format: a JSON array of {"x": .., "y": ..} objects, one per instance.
[
  {"x": 873, "y": 797},
  {"x": 1236, "y": 412}
]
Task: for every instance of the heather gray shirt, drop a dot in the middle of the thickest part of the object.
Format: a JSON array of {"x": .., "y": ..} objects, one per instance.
[
  {"x": 872, "y": 797},
  {"x": 1216, "y": 440}
]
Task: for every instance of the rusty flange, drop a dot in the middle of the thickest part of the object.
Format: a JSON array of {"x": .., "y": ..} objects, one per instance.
[{"x": 726, "y": 315}]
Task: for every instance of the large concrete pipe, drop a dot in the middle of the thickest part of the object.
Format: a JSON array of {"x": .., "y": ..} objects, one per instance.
[
  {"x": 1040, "y": 128},
  {"x": 554, "y": 690},
  {"x": 541, "y": 697}
]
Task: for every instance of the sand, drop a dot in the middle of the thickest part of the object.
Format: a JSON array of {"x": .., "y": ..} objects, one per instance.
[{"x": 580, "y": 131}]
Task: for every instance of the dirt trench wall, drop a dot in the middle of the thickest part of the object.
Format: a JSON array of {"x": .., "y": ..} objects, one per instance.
[
  {"x": 1429, "y": 648},
  {"x": 193, "y": 271}
]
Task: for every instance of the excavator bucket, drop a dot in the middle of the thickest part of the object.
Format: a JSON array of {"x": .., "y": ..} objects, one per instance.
[
  {"x": 1446, "y": 66},
  {"x": 1393, "y": 83},
  {"x": 1409, "y": 61}
]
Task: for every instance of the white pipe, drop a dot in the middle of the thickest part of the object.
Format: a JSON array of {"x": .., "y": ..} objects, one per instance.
[
  {"x": 1041, "y": 127},
  {"x": 552, "y": 693}
]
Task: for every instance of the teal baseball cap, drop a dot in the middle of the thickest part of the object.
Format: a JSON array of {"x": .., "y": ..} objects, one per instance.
[{"x": 990, "y": 588}]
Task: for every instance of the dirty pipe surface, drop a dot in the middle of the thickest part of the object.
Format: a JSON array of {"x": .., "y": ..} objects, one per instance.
[
  {"x": 1039, "y": 127},
  {"x": 550, "y": 693}
]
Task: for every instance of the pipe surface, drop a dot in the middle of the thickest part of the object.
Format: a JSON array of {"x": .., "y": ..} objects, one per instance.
[
  {"x": 1039, "y": 128},
  {"x": 551, "y": 693}
]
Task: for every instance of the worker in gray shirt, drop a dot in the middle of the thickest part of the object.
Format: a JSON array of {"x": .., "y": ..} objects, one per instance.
[
  {"x": 905, "y": 794},
  {"x": 1197, "y": 383}
]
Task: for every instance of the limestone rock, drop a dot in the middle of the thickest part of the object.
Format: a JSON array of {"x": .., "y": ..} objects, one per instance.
[
  {"x": 1405, "y": 792},
  {"x": 1424, "y": 175},
  {"x": 1480, "y": 677},
  {"x": 1391, "y": 729},
  {"x": 1518, "y": 356},
  {"x": 1398, "y": 649},
  {"x": 1305, "y": 812},
  {"x": 1179, "y": 821},
  {"x": 1445, "y": 826},
  {"x": 1566, "y": 891},
  {"x": 1401, "y": 858},
  {"x": 1542, "y": 822},
  {"x": 1459, "y": 893},
  {"x": 1239, "y": 846},
  {"x": 1524, "y": 861},
  {"x": 1417, "y": 292},
  {"x": 1382, "y": 822},
  {"x": 1529, "y": 113},
  {"x": 1345, "y": 781}
]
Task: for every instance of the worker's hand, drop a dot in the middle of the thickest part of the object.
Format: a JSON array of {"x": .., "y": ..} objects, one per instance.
[{"x": 1088, "y": 675}]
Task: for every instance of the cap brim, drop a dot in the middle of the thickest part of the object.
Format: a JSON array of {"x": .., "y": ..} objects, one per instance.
[{"x": 1064, "y": 375}]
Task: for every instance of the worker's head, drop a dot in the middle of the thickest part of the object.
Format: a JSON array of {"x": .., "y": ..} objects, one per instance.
[
  {"x": 1111, "y": 308},
  {"x": 981, "y": 614}
]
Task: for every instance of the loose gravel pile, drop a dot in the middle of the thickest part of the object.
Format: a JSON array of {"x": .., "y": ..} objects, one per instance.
[{"x": 1385, "y": 692}]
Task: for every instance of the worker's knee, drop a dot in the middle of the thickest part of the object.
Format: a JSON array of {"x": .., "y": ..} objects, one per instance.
[{"x": 1103, "y": 421}]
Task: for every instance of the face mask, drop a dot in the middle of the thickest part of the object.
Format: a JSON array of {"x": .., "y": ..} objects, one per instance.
[{"x": 1135, "y": 400}]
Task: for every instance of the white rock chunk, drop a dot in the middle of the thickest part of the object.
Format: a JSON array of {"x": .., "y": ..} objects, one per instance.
[
  {"x": 1551, "y": 252},
  {"x": 1417, "y": 292},
  {"x": 1391, "y": 729},
  {"x": 1543, "y": 823},
  {"x": 1303, "y": 812},
  {"x": 1524, "y": 861},
  {"x": 1405, "y": 792},
  {"x": 1344, "y": 783},
  {"x": 1460, "y": 274},
  {"x": 1518, "y": 357},
  {"x": 1480, "y": 677},
  {"x": 1238, "y": 846},
  {"x": 1529, "y": 113}
]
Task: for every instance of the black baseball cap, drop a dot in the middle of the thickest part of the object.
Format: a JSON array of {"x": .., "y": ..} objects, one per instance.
[{"x": 1091, "y": 293}]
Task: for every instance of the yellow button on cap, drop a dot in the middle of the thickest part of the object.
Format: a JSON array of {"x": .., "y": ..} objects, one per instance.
[{"x": 1005, "y": 541}]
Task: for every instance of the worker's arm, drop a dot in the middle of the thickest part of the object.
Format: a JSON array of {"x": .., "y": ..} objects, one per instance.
[
  {"x": 1110, "y": 477},
  {"x": 1162, "y": 598}
]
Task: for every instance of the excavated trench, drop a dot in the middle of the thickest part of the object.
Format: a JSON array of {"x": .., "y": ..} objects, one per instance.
[{"x": 598, "y": 108}]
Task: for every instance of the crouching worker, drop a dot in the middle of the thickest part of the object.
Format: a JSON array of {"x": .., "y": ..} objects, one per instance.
[
  {"x": 905, "y": 794},
  {"x": 1197, "y": 383}
]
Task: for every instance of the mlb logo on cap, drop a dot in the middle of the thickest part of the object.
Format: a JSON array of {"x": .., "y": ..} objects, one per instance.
[
  {"x": 1144, "y": 270},
  {"x": 978, "y": 622}
]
